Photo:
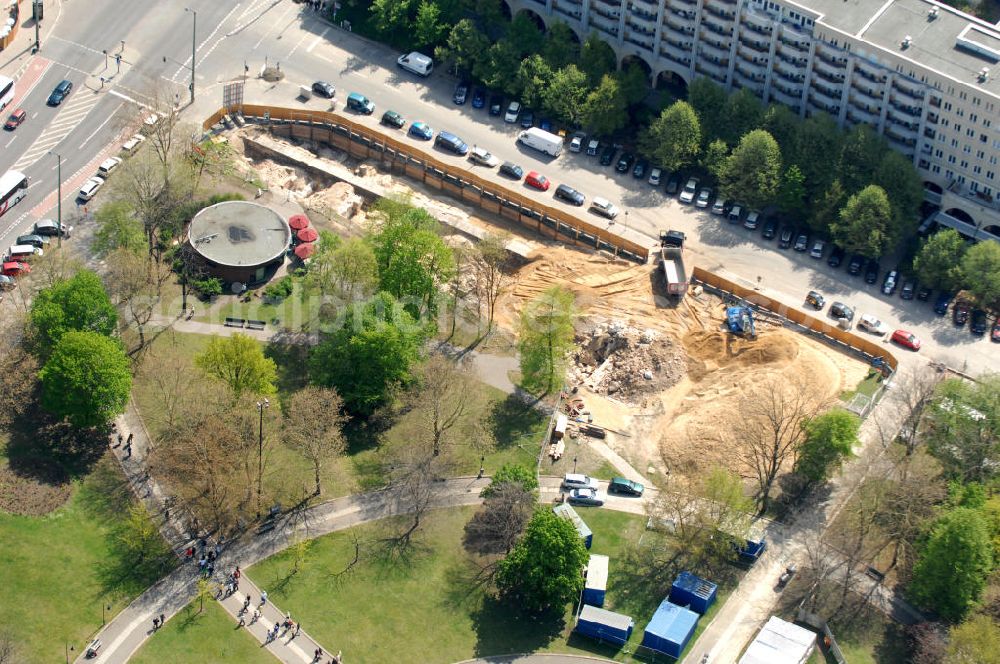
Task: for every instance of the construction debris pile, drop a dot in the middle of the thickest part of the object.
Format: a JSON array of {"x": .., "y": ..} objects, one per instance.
[{"x": 625, "y": 362}]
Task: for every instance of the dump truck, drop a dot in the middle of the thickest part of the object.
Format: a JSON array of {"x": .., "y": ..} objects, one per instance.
[{"x": 672, "y": 262}]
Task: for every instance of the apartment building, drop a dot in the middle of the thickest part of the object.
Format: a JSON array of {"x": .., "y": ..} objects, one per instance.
[{"x": 925, "y": 76}]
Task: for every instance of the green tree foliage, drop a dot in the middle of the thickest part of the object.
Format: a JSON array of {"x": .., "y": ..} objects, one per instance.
[
  {"x": 963, "y": 427},
  {"x": 511, "y": 473},
  {"x": 465, "y": 46},
  {"x": 597, "y": 59},
  {"x": 142, "y": 543},
  {"x": 826, "y": 210},
  {"x": 565, "y": 96},
  {"x": 939, "y": 260},
  {"x": 239, "y": 362},
  {"x": 741, "y": 114},
  {"x": 428, "y": 28},
  {"x": 783, "y": 124},
  {"x": 975, "y": 640},
  {"x": 828, "y": 441},
  {"x": 546, "y": 339},
  {"x": 752, "y": 173},
  {"x": 87, "y": 379},
  {"x": 951, "y": 572},
  {"x": 77, "y": 303},
  {"x": 708, "y": 100},
  {"x": 391, "y": 17},
  {"x": 792, "y": 193},
  {"x": 605, "y": 110},
  {"x": 355, "y": 268},
  {"x": 118, "y": 228},
  {"x": 370, "y": 355},
  {"x": 860, "y": 156},
  {"x": 533, "y": 77},
  {"x": 673, "y": 139},
  {"x": 498, "y": 66},
  {"x": 865, "y": 223},
  {"x": 715, "y": 157},
  {"x": 413, "y": 260},
  {"x": 543, "y": 570},
  {"x": 524, "y": 35},
  {"x": 981, "y": 272},
  {"x": 561, "y": 47},
  {"x": 817, "y": 144},
  {"x": 633, "y": 82},
  {"x": 902, "y": 184}
]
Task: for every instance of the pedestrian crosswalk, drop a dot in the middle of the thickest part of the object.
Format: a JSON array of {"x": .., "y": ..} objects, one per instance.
[{"x": 69, "y": 116}]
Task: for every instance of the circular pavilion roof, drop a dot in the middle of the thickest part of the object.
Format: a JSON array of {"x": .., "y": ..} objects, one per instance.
[{"x": 239, "y": 234}]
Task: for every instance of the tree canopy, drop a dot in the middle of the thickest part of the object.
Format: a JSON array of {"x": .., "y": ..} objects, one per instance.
[
  {"x": 940, "y": 258},
  {"x": 239, "y": 362},
  {"x": 963, "y": 427},
  {"x": 752, "y": 173},
  {"x": 829, "y": 439},
  {"x": 865, "y": 223},
  {"x": 980, "y": 269},
  {"x": 511, "y": 473},
  {"x": 545, "y": 340},
  {"x": 673, "y": 139},
  {"x": 87, "y": 379},
  {"x": 78, "y": 303}
]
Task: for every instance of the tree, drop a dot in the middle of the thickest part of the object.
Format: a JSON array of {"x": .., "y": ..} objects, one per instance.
[
  {"x": 368, "y": 357},
  {"x": 18, "y": 372},
  {"x": 963, "y": 427},
  {"x": 633, "y": 81},
  {"x": 708, "y": 100},
  {"x": 818, "y": 141},
  {"x": 464, "y": 48},
  {"x": 428, "y": 28},
  {"x": 511, "y": 473},
  {"x": 566, "y": 93},
  {"x": 543, "y": 570},
  {"x": 939, "y": 261},
  {"x": 314, "y": 423},
  {"x": 975, "y": 640},
  {"x": 792, "y": 193},
  {"x": 533, "y": 77},
  {"x": 673, "y": 139},
  {"x": 928, "y": 644},
  {"x": 239, "y": 362},
  {"x": 604, "y": 111},
  {"x": 390, "y": 16},
  {"x": 826, "y": 212},
  {"x": 489, "y": 261},
  {"x": 87, "y": 379},
  {"x": 597, "y": 59},
  {"x": 953, "y": 565},
  {"x": 439, "y": 399},
  {"x": 865, "y": 223},
  {"x": 204, "y": 589},
  {"x": 496, "y": 527},
  {"x": 980, "y": 269},
  {"x": 783, "y": 124},
  {"x": 902, "y": 184},
  {"x": 860, "y": 156},
  {"x": 561, "y": 47},
  {"x": 143, "y": 545},
  {"x": 715, "y": 157},
  {"x": 77, "y": 303},
  {"x": 117, "y": 228},
  {"x": 741, "y": 114},
  {"x": 133, "y": 283},
  {"x": 752, "y": 173},
  {"x": 498, "y": 65},
  {"x": 829, "y": 440},
  {"x": 524, "y": 35},
  {"x": 354, "y": 268},
  {"x": 545, "y": 340}
]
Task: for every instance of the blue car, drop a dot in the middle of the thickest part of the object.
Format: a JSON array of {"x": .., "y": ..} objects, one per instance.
[
  {"x": 478, "y": 98},
  {"x": 942, "y": 303},
  {"x": 545, "y": 124},
  {"x": 60, "y": 93},
  {"x": 421, "y": 130}
]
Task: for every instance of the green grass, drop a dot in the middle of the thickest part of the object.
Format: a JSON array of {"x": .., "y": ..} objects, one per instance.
[
  {"x": 59, "y": 569},
  {"x": 202, "y": 638},
  {"x": 869, "y": 386}
]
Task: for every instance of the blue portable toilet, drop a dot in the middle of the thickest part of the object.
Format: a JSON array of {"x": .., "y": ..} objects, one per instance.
[
  {"x": 597, "y": 580},
  {"x": 603, "y": 625},
  {"x": 670, "y": 629},
  {"x": 693, "y": 592},
  {"x": 567, "y": 512}
]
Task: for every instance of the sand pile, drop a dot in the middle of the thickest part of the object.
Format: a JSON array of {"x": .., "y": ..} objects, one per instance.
[
  {"x": 626, "y": 362},
  {"x": 339, "y": 199}
]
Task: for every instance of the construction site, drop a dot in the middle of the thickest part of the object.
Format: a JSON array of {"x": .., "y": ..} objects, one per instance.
[{"x": 661, "y": 376}]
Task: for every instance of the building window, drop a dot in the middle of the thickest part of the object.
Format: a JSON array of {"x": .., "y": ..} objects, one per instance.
[
  {"x": 939, "y": 154},
  {"x": 975, "y": 101},
  {"x": 966, "y": 149},
  {"x": 977, "y": 170},
  {"x": 993, "y": 160},
  {"x": 947, "y": 106},
  {"x": 961, "y": 179},
  {"x": 935, "y": 168},
  {"x": 986, "y": 123},
  {"x": 960, "y": 113},
  {"x": 963, "y": 96},
  {"x": 973, "y": 118},
  {"x": 989, "y": 175},
  {"x": 971, "y": 133},
  {"x": 958, "y": 128},
  {"x": 949, "y": 174},
  {"x": 983, "y": 138},
  {"x": 964, "y": 164},
  {"x": 945, "y": 123},
  {"x": 951, "y": 159}
]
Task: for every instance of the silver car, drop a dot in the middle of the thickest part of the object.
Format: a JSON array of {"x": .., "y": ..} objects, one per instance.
[
  {"x": 586, "y": 497},
  {"x": 704, "y": 198}
]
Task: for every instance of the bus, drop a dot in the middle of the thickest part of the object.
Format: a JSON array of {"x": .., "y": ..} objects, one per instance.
[
  {"x": 6, "y": 91},
  {"x": 13, "y": 187}
]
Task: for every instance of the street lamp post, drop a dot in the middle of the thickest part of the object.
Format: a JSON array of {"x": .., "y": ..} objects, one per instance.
[
  {"x": 482, "y": 467},
  {"x": 59, "y": 227},
  {"x": 194, "y": 32},
  {"x": 261, "y": 407},
  {"x": 68, "y": 649},
  {"x": 574, "y": 465}
]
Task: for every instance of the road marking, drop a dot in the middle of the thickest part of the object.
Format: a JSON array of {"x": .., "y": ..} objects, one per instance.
[
  {"x": 39, "y": 67},
  {"x": 66, "y": 121},
  {"x": 127, "y": 98},
  {"x": 187, "y": 65},
  {"x": 110, "y": 115},
  {"x": 34, "y": 115},
  {"x": 83, "y": 46},
  {"x": 296, "y": 47},
  {"x": 318, "y": 39},
  {"x": 9, "y": 142}
]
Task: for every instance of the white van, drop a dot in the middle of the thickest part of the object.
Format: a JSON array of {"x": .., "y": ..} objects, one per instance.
[
  {"x": 541, "y": 140},
  {"x": 20, "y": 252},
  {"x": 417, "y": 63}
]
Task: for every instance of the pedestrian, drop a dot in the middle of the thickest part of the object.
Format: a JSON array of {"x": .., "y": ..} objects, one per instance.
[
  {"x": 236, "y": 572},
  {"x": 298, "y": 628},
  {"x": 201, "y": 564},
  {"x": 243, "y": 622},
  {"x": 190, "y": 553},
  {"x": 218, "y": 549},
  {"x": 236, "y": 585},
  {"x": 128, "y": 450},
  {"x": 211, "y": 556},
  {"x": 163, "y": 620},
  {"x": 274, "y": 632},
  {"x": 156, "y": 623},
  {"x": 263, "y": 598},
  {"x": 256, "y": 615},
  {"x": 210, "y": 568},
  {"x": 119, "y": 437},
  {"x": 129, "y": 441}
]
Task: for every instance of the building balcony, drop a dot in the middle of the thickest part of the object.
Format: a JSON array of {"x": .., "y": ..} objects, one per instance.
[
  {"x": 758, "y": 22},
  {"x": 834, "y": 60},
  {"x": 825, "y": 95},
  {"x": 721, "y": 12},
  {"x": 757, "y": 29},
  {"x": 816, "y": 104},
  {"x": 740, "y": 81},
  {"x": 900, "y": 106},
  {"x": 603, "y": 10},
  {"x": 870, "y": 72},
  {"x": 712, "y": 25},
  {"x": 688, "y": 3},
  {"x": 679, "y": 21},
  {"x": 834, "y": 79},
  {"x": 872, "y": 95},
  {"x": 909, "y": 89},
  {"x": 799, "y": 46},
  {"x": 615, "y": 5},
  {"x": 755, "y": 74},
  {"x": 857, "y": 115},
  {"x": 647, "y": 5},
  {"x": 794, "y": 78},
  {"x": 901, "y": 134},
  {"x": 828, "y": 71},
  {"x": 714, "y": 71},
  {"x": 754, "y": 45},
  {"x": 676, "y": 53},
  {"x": 641, "y": 23},
  {"x": 714, "y": 50},
  {"x": 902, "y": 127},
  {"x": 782, "y": 96},
  {"x": 790, "y": 59},
  {"x": 567, "y": 9},
  {"x": 932, "y": 118},
  {"x": 681, "y": 47},
  {"x": 639, "y": 40},
  {"x": 603, "y": 24}
]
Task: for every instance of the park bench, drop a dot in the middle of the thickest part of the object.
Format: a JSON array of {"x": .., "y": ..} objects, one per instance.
[
  {"x": 234, "y": 322},
  {"x": 256, "y": 324}
]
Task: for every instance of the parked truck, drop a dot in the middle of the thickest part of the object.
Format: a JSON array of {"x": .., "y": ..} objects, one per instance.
[
  {"x": 672, "y": 262},
  {"x": 541, "y": 140}
]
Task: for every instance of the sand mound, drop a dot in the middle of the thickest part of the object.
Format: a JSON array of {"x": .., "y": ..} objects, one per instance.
[{"x": 710, "y": 350}]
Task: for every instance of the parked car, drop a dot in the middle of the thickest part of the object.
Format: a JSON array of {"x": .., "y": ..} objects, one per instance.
[
  {"x": 478, "y": 98},
  {"x": 719, "y": 206},
  {"x": 815, "y": 300},
  {"x": 836, "y": 257},
  {"x": 752, "y": 220},
  {"x": 108, "y": 166},
  {"x": 511, "y": 170},
  {"x": 654, "y": 177},
  {"x": 15, "y": 119},
  {"x": 452, "y": 143},
  {"x": 785, "y": 239},
  {"x": 625, "y": 162},
  {"x": 570, "y": 195},
  {"x": 483, "y": 157},
  {"x": 906, "y": 339},
  {"x": 690, "y": 189},
  {"x": 924, "y": 293},
  {"x": 625, "y": 487},
  {"x": 604, "y": 207},
  {"x": 461, "y": 93},
  {"x": 942, "y": 303},
  {"x": 32, "y": 240},
  {"x": 819, "y": 246},
  {"x": 360, "y": 103},
  {"x": 869, "y": 323},
  {"x": 60, "y": 93},
  {"x": 704, "y": 198},
  {"x": 801, "y": 242},
  {"x": 961, "y": 313},
  {"x": 871, "y": 271},
  {"x": 393, "y": 119},
  {"x": 89, "y": 188},
  {"x": 995, "y": 330},
  {"x": 673, "y": 184},
  {"x": 131, "y": 145},
  {"x": 908, "y": 289},
  {"x": 856, "y": 265},
  {"x": 496, "y": 105},
  {"x": 527, "y": 118},
  {"x": 586, "y": 497},
  {"x": 890, "y": 282},
  {"x": 7, "y": 283},
  {"x": 593, "y": 145},
  {"x": 608, "y": 155},
  {"x": 421, "y": 130},
  {"x": 841, "y": 310},
  {"x": 545, "y": 124},
  {"x": 978, "y": 324},
  {"x": 15, "y": 269},
  {"x": 735, "y": 213},
  {"x": 50, "y": 228},
  {"x": 513, "y": 112},
  {"x": 537, "y": 180},
  {"x": 578, "y": 481},
  {"x": 324, "y": 89},
  {"x": 577, "y": 141},
  {"x": 770, "y": 229},
  {"x": 641, "y": 166}
]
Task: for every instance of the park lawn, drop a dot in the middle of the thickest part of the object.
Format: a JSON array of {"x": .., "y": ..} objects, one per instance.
[
  {"x": 202, "y": 638},
  {"x": 58, "y": 569}
]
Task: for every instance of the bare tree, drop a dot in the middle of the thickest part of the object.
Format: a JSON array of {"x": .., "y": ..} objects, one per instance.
[
  {"x": 492, "y": 280},
  {"x": 496, "y": 527},
  {"x": 18, "y": 371},
  {"x": 314, "y": 427},
  {"x": 414, "y": 473},
  {"x": 133, "y": 281},
  {"x": 441, "y": 399},
  {"x": 914, "y": 391},
  {"x": 768, "y": 431}
]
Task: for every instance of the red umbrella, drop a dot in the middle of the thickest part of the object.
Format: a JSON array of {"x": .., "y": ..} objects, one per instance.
[
  {"x": 307, "y": 235},
  {"x": 298, "y": 221},
  {"x": 304, "y": 251}
]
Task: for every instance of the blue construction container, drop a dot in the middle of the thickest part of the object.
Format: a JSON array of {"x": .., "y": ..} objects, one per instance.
[
  {"x": 693, "y": 592},
  {"x": 567, "y": 512},
  {"x": 603, "y": 625},
  {"x": 670, "y": 629},
  {"x": 596, "y": 584}
]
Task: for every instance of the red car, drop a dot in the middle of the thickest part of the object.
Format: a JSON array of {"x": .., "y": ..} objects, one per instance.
[
  {"x": 995, "y": 332},
  {"x": 15, "y": 119},
  {"x": 537, "y": 180},
  {"x": 906, "y": 339},
  {"x": 15, "y": 269}
]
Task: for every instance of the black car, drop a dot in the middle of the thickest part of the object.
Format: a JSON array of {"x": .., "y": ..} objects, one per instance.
[
  {"x": 640, "y": 169},
  {"x": 924, "y": 293},
  {"x": 815, "y": 300},
  {"x": 60, "y": 93},
  {"x": 770, "y": 229},
  {"x": 324, "y": 89},
  {"x": 942, "y": 303},
  {"x": 32, "y": 240},
  {"x": 960, "y": 314},
  {"x": 801, "y": 242},
  {"x": 527, "y": 118},
  {"x": 836, "y": 257},
  {"x": 908, "y": 289},
  {"x": 673, "y": 183},
  {"x": 570, "y": 195},
  {"x": 511, "y": 170},
  {"x": 785, "y": 239},
  {"x": 841, "y": 310},
  {"x": 461, "y": 93},
  {"x": 624, "y": 162},
  {"x": 478, "y": 98},
  {"x": 496, "y": 105},
  {"x": 978, "y": 324},
  {"x": 871, "y": 271},
  {"x": 625, "y": 487},
  {"x": 393, "y": 119},
  {"x": 608, "y": 155}
]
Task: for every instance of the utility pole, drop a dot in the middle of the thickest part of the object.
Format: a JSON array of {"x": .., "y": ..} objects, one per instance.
[
  {"x": 261, "y": 407},
  {"x": 194, "y": 32},
  {"x": 58, "y": 197},
  {"x": 36, "y": 13}
]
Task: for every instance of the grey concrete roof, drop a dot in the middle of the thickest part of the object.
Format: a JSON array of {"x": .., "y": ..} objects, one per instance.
[
  {"x": 239, "y": 233},
  {"x": 846, "y": 15}
]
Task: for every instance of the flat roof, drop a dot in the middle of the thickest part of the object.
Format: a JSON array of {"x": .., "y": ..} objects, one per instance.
[
  {"x": 845, "y": 15},
  {"x": 597, "y": 572},
  {"x": 780, "y": 642},
  {"x": 239, "y": 234}
]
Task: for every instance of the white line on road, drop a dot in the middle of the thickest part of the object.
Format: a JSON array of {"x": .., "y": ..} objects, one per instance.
[
  {"x": 9, "y": 142},
  {"x": 110, "y": 115},
  {"x": 187, "y": 64},
  {"x": 86, "y": 48},
  {"x": 318, "y": 39},
  {"x": 127, "y": 98},
  {"x": 278, "y": 22},
  {"x": 296, "y": 47}
]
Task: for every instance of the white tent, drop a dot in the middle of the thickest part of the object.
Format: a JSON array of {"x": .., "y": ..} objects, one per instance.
[{"x": 780, "y": 642}]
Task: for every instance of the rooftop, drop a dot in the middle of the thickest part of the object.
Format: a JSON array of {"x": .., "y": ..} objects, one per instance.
[{"x": 239, "y": 233}]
